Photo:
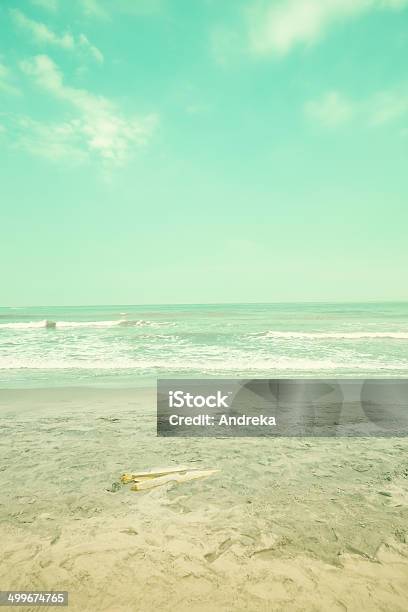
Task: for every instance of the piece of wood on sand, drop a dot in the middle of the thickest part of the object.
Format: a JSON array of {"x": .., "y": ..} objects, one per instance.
[
  {"x": 148, "y": 474},
  {"x": 175, "y": 477}
]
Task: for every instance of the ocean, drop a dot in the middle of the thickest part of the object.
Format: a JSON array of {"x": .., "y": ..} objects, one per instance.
[{"x": 133, "y": 345}]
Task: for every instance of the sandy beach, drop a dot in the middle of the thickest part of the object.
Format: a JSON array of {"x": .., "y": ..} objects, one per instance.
[{"x": 287, "y": 524}]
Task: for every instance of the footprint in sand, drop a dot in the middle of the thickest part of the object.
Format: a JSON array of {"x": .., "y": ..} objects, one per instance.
[{"x": 223, "y": 547}]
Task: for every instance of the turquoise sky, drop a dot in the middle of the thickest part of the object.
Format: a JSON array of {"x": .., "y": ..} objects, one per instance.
[{"x": 203, "y": 151}]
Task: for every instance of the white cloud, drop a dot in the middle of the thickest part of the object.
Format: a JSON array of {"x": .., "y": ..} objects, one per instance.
[
  {"x": 277, "y": 26},
  {"x": 53, "y": 141},
  {"x": 43, "y": 35},
  {"x": 334, "y": 108},
  {"x": 93, "y": 8},
  {"x": 224, "y": 44},
  {"x": 84, "y": 43},
  {"x": 49, "y": 5},
  {"x": 6, "y": 84},
  {"x": 97, "y": 128},
  {"x": 104, "y": 9},
  {"x": 387, "y": 106},
  {"x": 198, "y": 109}
]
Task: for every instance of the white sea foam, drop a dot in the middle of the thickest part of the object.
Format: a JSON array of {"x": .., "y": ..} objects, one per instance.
[
  {"x": 210, "y": 365},
  {"x": 334, "y": 335},
  {"x": 74, "y": 324},
  {"x": 26, "y": 325}
]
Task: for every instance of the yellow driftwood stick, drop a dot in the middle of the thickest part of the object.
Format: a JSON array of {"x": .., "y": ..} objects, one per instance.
[
  {"x": 177, "y": 477},
  {"x": 126, "y": 478}
]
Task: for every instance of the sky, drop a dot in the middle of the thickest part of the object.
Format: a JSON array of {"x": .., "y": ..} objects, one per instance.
[{"x": 165, "y": 151}]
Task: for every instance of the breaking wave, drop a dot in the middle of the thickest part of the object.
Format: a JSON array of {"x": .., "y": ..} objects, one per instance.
[
  {"x": 47, "y": 324},
  {"x": 334, "y": 335}
]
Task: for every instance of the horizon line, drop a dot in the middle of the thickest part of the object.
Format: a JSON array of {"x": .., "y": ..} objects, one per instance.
[{"x": 145, "y": 304}]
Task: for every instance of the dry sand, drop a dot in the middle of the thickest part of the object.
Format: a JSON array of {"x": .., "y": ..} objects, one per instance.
[{"x": 288, "y": 524}]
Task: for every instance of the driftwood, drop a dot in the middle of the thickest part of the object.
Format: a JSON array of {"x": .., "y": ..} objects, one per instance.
[
  {"x": 151, "y": 479},
  {"x": 126, "y": 478}
]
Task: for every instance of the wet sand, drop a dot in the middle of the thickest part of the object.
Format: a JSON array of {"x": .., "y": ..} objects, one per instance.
[{"x": 287, "y": 524}]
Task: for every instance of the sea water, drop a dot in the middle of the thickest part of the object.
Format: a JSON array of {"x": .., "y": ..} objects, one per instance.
[{"x": 133, "y": 345}]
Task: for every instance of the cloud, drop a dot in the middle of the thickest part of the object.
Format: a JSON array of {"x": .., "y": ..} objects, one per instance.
[
  {"x": 43, "y": 35},
  {"x": 387, "y": 106},
  {"x": 225, "y": 45},
  {"x": 98, "y": 128},
  {"x": 49, "y": 5},
  {"x": 52, "y": 141},
  {"x": 334, "y": 108},
  {"x": 197, "y": 109},
  {"x": 6, "y": 85},
  {"x": 93, "y": 8},
  {"x": 84, "y": 43},
  {"x": 277, "y": 26},
  {"x": 104, "y": 9}
]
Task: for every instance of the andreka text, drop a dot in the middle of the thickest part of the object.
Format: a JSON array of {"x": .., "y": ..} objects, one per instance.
[{"x": 205, "y": 420}]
